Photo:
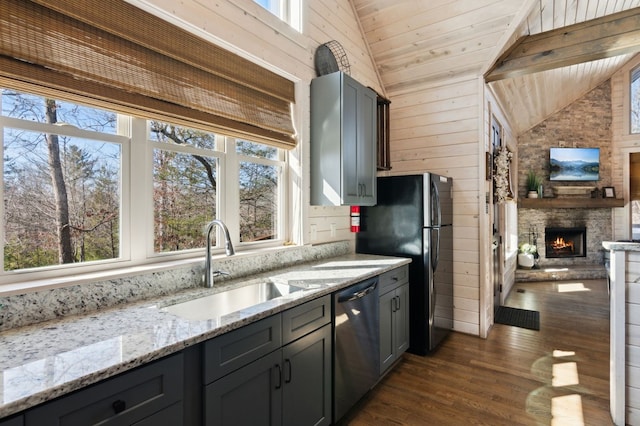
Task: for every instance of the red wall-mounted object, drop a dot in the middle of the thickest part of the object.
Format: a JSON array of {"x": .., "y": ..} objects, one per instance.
[{"x": 355, "y": 218}]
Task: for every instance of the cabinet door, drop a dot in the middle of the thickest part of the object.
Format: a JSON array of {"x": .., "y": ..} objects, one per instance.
[
  {"x": 14, "y": 421},
  {"x": 307, "y": 379},
  {"x": 351, "y": 149},
  {"x": 250, "y": 396},
  {"x": 366, "y": 160},
  {"x": 401, "y": 320},
  {"x": 386, "y": 330}
]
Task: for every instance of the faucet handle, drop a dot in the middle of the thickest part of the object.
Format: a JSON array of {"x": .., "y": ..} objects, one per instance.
[{"x": 219, "y": 273}]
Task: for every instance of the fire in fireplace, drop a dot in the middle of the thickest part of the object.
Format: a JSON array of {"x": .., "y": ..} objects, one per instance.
[{"x": 565, "y": 242}]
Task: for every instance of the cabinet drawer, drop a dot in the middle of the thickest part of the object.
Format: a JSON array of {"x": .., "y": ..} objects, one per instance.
[
  {"x": 14, "y": 421},
  {"x": 391, "y": 279},
  {"x": 122, "y": 400},
  {"x": 228, "y": 352},
  {"x": 303, "y": 319}
]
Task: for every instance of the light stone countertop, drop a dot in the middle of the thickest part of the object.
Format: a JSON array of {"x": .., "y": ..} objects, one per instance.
[
  {"x": 43, "y": 361},
  {"x": 621, "y": 245}
]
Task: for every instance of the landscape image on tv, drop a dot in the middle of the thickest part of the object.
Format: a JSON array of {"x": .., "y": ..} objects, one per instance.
[{"x": 574, "y": 164}]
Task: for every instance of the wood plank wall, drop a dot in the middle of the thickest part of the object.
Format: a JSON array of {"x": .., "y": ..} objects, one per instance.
[
  {"x": 632, "y": 362},
  {"x": 436, "y": 129},
  {"x": 623, "y": 143},
  {"x": 251, "y": 31}
]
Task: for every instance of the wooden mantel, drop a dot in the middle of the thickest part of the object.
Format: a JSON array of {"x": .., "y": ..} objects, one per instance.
[{"x": 569, "y": 203}]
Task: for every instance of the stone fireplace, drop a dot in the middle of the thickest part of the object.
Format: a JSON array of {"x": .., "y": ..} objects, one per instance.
[
  {"x": 535, "y": 224},
  {"x": 561, "y": 242}
]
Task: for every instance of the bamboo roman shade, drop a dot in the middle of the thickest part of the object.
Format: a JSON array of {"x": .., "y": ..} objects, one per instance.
[{"x": 109, "y": 52}]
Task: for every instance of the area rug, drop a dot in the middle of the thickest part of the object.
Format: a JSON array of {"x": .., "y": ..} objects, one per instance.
[{"x": 518, "y": 317}]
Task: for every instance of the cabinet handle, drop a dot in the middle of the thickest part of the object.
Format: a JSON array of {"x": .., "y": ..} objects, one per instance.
[
  {"x": 398, "y": 298},
  {"x": 279, "y": 379},
  {"x": 287, "y": 375},
  {"x": 119, "y": 406}
]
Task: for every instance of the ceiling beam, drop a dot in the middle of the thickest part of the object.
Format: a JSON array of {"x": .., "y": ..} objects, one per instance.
[{"x": 611, "y": 35}]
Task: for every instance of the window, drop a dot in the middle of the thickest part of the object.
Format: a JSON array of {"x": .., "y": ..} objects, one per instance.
[
  {"x": 286, "y": 10},
  {"x": 66, "y": 185},
  {"x": 258, "y": 178},
  {"x": 635, "y": 100},
  {"x": 184, "y": 186},
  {"x": 61, "y": 183}
]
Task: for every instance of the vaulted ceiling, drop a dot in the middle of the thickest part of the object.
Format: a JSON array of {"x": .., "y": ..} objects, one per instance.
[{"x": 418, "y": 43}]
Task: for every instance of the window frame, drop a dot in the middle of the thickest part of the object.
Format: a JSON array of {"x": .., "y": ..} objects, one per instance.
[
  {"x": 634, "y": 76},
  {"x": 290, "y": 12},
  {"x": 136, "y": 203}
]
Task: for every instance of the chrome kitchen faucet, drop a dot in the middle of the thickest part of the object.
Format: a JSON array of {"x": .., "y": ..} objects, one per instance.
[{"x": 209, "y": 274}]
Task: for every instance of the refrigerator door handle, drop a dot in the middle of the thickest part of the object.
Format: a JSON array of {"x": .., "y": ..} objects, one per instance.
[
  {"x": 435, "y": 198},
  {"x": 436, "y": 258}
]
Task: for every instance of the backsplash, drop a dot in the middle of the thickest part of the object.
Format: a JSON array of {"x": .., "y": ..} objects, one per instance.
[{"x": 34, "y": 307}]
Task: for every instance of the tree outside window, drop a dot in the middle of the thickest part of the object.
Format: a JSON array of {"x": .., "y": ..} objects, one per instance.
[
  {"x": 61, "y": 192},
  {"x": 65, "y": 172}
]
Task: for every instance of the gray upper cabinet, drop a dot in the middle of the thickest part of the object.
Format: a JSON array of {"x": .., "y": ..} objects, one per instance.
[{"x": 343, "y": 141}]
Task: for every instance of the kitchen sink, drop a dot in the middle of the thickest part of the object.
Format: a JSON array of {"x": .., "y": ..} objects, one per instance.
[{"x": 226, "y": 302}]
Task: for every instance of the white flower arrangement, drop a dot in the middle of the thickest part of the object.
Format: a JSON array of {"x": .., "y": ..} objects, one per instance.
[
  {"x": 528, "y": 248},
  {"x": 501, "y": 176}
]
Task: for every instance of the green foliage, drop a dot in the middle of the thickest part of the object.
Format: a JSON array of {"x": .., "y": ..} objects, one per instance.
[{"x": 533, "y": 181}]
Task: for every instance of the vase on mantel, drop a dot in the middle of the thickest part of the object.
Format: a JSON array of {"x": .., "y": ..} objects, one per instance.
[{"x": 532, "y": 194}]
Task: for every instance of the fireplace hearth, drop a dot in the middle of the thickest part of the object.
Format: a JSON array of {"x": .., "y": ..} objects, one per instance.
[{"x": 565, "y": 242}]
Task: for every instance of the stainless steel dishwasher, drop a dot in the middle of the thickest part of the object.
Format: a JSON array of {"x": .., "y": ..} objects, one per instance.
[{"x": 357, "y": 348}]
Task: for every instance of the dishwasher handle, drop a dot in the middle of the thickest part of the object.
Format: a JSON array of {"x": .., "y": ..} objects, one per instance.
[{"x": 357, "y": 291}]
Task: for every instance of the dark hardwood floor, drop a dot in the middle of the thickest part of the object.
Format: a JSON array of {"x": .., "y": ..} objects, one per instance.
[{"x": 556, "y": 376}]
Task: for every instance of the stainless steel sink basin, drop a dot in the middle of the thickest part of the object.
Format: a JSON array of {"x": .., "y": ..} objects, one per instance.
[{"x": 226, "y": 302}]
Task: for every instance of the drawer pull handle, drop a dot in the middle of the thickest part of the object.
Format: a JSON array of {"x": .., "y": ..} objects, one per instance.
[
  {"x": 287, "y": 375},
  {"x": 119, "y": 406},
  {"x": 279, "y": 378}
]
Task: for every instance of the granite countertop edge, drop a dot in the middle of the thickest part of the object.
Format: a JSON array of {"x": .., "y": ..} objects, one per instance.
[
  {"x": 27, "y": 348},
  {"x": 621, "y": 245}
]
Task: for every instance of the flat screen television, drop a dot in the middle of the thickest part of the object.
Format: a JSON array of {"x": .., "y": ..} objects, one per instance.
[{"x": 574, "y": 164}]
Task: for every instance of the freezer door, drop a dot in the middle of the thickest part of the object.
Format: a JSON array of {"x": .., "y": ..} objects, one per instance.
[
  {"x": 438, "y": 204},
  {"x": 439, "y": 264}
]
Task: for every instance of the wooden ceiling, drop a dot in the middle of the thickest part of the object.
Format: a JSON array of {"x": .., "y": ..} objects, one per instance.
[{"x": 422, "y": 43}]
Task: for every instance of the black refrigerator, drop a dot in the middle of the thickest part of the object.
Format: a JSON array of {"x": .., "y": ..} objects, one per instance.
[{"x": 413, "y": 218}]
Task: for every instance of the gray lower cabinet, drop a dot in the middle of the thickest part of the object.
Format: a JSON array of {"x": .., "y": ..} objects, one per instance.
[
  {"x": 307, "y": 377},
  {"x": 151, "y": 394},
  {"x": 13, "y": 421},
  {"x": 394, "y": 322},
  {"x": 288, "y": 386}
]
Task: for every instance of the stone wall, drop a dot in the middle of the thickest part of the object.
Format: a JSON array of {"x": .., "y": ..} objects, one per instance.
[{"x": 584, "y": 123}]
